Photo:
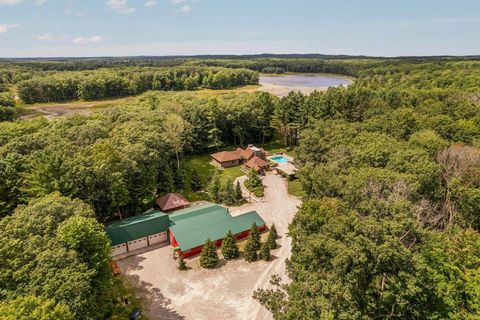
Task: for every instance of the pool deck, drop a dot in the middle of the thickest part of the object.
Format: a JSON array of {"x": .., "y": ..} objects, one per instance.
[{"x": 288, "y": 167}]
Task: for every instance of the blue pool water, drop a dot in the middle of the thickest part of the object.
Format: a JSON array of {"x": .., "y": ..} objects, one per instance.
[{"x": 279, "y": 159}]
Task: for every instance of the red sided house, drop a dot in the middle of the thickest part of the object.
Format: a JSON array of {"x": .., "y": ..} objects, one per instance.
[
  {"x": 171, "y": 202},
  {"x": 191, "y": 227}
]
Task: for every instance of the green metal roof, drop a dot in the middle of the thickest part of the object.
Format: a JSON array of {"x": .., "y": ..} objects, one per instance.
[
  {"x": 193, "y": 226},
  {"x": 138, "y": 226}
]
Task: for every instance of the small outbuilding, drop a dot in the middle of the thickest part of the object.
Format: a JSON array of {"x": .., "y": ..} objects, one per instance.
[
  {"x": 191, "y": 227},
  {"x": 137, "y": 232},
  {"x": 171, "y": 202}
]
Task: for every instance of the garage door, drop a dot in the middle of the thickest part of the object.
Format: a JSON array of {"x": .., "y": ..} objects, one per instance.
[
  {"x": 137, "y": 244},
  {"x": 121, "y": 248},
  {"x": 157, "y": 238}
]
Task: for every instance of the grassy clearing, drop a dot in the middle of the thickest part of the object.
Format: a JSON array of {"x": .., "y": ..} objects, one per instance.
[
  {"x": 231, "y": 173},
  {"x": 295, "y": 188},
  {"x": 201, "y": 163}
]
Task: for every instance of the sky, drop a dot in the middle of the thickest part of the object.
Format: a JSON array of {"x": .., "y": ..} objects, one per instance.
[{"x": 81, "y": 28}]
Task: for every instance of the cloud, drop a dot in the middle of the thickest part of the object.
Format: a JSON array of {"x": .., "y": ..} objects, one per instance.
[
  {"x": 10, "y": 2},
  {"x": 120, "y": 6},
  {"x": 151, "y": 3},
  {"x": 186, "y": 8},
  {"x": 87, "y": 40},
  {"x": 50, "y": 37},
  {"x": 178, "y": 1},
  {"x": 40, "y": 2},
  {"x": 5, "y": 27}
]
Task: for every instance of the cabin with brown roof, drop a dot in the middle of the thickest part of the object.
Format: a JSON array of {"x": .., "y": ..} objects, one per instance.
[
  {"x": 257, "y": 164},
  {"x": 171, "y": 202},
  {"x": 226, "y": 159}
]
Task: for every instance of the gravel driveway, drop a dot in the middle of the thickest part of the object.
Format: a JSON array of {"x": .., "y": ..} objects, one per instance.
[{"x": 222, "y": 293}]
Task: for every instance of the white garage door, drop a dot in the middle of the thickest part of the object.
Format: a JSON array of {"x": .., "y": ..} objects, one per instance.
[
  {"x": 137, "y": 244},
  {"x": 119, "y": 249},
  {"x": 157, "y": 238}
]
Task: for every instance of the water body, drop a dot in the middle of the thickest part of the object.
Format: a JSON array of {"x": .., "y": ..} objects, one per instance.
[{"x": 305, "y": 81}]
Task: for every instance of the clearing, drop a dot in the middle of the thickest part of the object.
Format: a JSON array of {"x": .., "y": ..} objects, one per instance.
[{"x": 222, "y": 293}]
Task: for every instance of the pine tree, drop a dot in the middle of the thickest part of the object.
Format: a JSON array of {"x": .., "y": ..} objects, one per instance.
[
  {"x": 255, "y": 235},
  {"x": 214, "y": 188},
  {"x": 250, "y": 251},
  {"x": 196, "y": 181},
  {"x": 271, "y": 240},
  {"x": 209, "y": 256},
  {"x": 182, "y": 265},
  {"x": 230, "y": 195},
  {"x": 274, "y": 231},
  {"x": 265, "y": 251},
  {"x": 229, "y": 247},
  {"x": 238, "y": 191}
]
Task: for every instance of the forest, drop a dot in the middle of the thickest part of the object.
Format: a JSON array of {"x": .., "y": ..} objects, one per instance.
[{"x": 389, "y": 226}]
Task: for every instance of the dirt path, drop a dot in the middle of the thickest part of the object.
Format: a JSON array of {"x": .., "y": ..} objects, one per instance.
[{"x": 223, "y": 293}]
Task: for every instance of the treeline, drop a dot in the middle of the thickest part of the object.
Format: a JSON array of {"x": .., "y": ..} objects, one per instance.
[
  {"x": 390, "y": 225},
  {"x": 101, "y": 84}
]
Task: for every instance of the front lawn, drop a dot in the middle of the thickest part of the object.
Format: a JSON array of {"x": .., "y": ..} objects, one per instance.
[{"x": 231, "y": 173}]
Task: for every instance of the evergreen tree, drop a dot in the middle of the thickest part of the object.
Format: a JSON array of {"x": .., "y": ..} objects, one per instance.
[
  {"x": 265, "y": 251},
  {"x": 195, "y": 181},
  {"x": 214, "y": 188},
  {"x": 238, "y": 191},
  {"x": 229, "y": 247},
  {"x": 182, "y": 265},
  {"x": 209, "y": 256},
  {"x": 271, "y": 240},
  {"x": 255, "y": 235},
  {"x": 250, "y": 251},
  {"x": 273, "y": 230},
  {"x": 229, "y": 195}
]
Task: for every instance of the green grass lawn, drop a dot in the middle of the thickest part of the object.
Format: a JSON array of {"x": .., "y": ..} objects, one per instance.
[
  {"x": 295, "y": 188},
  {"x": 205, "y": 169},
  {"x": 231, "y": 173}
]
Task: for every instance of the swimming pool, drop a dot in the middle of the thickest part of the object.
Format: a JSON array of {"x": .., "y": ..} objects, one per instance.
[{"x": 280, "y": 159}]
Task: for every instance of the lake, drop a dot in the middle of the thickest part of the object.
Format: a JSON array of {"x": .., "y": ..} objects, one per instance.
[{"x": 305, "y": 81}]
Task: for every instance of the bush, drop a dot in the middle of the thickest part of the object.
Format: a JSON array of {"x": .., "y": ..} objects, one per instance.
[{"x": 182, "y": 265}]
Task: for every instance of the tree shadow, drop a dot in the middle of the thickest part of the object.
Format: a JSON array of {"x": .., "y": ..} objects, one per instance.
[{"x": 156, "y": 304}]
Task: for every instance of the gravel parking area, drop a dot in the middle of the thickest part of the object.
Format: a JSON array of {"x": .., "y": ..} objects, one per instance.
[{"x": 222, "y": 293}]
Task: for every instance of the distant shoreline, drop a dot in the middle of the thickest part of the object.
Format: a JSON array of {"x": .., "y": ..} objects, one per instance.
[{"x": 281, "y": 90}]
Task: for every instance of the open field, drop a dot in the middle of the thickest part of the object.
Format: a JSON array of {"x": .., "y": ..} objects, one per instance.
[
  {"x": 53, "y": 110},
  {"x": 199, "y": 293}
]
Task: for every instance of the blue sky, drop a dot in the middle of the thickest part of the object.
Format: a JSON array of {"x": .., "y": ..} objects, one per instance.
[{"x": 170, "y": 27}]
